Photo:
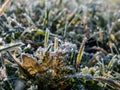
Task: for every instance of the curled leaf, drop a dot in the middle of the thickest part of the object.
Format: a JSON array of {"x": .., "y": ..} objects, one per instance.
[{"x": 31, "y": 65}]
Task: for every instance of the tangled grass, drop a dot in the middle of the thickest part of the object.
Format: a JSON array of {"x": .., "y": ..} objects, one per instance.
[{"x": 60, "y": 45}]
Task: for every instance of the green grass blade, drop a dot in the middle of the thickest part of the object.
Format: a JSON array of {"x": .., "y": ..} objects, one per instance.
[
  {"x": 46, "y": 38},
  {"x": 80, "y": 54}
]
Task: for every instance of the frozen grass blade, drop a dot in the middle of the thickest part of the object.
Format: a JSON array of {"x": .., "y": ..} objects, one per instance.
[
  {"x": 46, "y": 38},
  {"x": 116, "y": 48},
  {"x": 10, "y": 46},
  {"x": 93, "y": 60},
  {"x": 100, "y": 49},
  {"x": 56, "y": 44},
  {"x": 109, "y": 81},
  {"x": 111, "y": 63},
  {"x": 66, "y": 27}
]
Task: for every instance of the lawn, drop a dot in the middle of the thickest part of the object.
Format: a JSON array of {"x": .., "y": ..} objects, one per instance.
[{"x": 60, "y": 45}]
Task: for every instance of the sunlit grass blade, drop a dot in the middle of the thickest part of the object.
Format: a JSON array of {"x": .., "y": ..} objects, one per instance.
[
  {"x": 80, "y": 54},
  {"x": 113, "y": 38},
  {"x": 55, "y": 44},
  {"x": 101, "y": 36},
  {"x": 5, "y": 5}
]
